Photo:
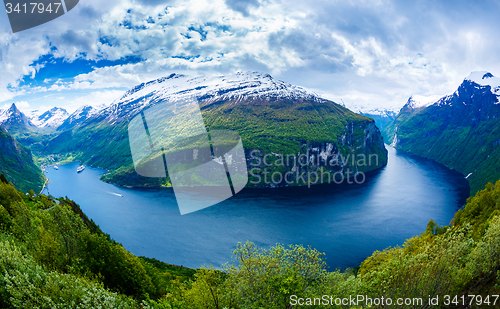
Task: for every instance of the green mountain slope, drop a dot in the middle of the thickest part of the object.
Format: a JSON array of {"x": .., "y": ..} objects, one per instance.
[
  {"x": 280, "y": 124},
  {"x": 16, "y": 163},
  {"x": 462, "y": 131}
]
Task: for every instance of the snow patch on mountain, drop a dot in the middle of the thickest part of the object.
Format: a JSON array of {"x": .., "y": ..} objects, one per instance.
[
  {"x": 3, "y": 115},
  {"x": 80, "y": 115},
  {"x": 371, "y": 110},
  {"x": 33, "y": 113},
  {"x": 85, "y": 111},
  {"x": 241, "y": 84},
  {"x": 382, "y": 112},
  {"x": 420, "y": 101},
  {"x": 177, "y": 87},
  {"x": 484, "y": 78}
]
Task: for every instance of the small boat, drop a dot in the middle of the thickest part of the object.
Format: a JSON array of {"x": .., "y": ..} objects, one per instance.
[
  {"x": 55, "y": 167},
  {"x": 79, "y": 169}
]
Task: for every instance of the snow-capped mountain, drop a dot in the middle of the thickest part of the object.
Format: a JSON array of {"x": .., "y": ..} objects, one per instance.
[
  {"x": 177, "y": 87},
  {"x": 33, "y": 113},
  {"x": 52, "y": 118},
  {"x": 381, "y": 116},
  {"x": 382, "y": 112},
  {"x": 481, "y": 81},
  {"x": 266, "y": 113},
  {"x": 78, "y": 117},
  {"x": 420, "y": 101},
  {"x": 13, "y": 120}
]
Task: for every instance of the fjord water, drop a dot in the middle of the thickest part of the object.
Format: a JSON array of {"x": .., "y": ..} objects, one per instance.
[{"x": 346, "y": 222}]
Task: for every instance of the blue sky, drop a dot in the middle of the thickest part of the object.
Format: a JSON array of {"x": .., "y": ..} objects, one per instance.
[{"x": 364, "y": 53}]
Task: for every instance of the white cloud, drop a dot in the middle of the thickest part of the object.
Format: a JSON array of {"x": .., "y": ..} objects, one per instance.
[
  {"x": 377, "y": 53},
  {"x": 94, "y": 98},
  {"x": 22, "y": 105}
]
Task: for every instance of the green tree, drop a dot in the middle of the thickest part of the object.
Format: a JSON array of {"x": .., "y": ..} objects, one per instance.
[
  {"x": 267, "y": 278},
  {"x": 208, "y": 290}
]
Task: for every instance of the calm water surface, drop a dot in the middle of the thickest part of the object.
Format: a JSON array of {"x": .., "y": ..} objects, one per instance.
[{"x": 348, "y": 223}]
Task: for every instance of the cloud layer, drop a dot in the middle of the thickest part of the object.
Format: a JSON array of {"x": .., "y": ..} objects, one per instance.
[{"x": 365, "y": 53}]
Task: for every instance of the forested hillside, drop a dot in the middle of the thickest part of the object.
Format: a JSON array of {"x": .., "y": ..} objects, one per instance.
[
  {"x": 461, "y": 130},
  {"x": 51, "y": 255},
  {"x": 17, "y": 165}
]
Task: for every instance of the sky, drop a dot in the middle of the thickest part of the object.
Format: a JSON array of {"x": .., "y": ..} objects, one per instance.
[{"x": 365, "y": 54}]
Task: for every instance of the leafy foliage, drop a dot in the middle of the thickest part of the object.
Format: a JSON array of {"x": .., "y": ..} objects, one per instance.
[{"x": 52, "y": 254}]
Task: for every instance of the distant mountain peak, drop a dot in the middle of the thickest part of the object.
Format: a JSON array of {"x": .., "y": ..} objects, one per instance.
[
  {"x": 52, "y": 118},
  {"x": 55, "y": 109},
  {"x": 420, "y": 101},
  {"x": 13, "y": 109},
  {"x": 13, "y": 119},
  {"x": 83, "y": 113}
]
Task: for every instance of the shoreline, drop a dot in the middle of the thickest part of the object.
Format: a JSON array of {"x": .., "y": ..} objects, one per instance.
[{"x": 47, "y": 181}]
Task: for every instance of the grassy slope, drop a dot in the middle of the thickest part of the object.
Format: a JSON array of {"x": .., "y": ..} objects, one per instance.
[{"x": 16, "y": 163}]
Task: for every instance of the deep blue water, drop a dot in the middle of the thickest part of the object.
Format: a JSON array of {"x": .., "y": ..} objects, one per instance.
[{"x": 347, "y": 222}]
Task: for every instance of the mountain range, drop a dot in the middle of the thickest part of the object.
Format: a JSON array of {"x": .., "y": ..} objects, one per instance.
[
  {"x": 460, "y": 130},
  {"x": 54, "y": 119},
  {"x": 50, "y": 119},
  {"x": 271, "y": 116}
]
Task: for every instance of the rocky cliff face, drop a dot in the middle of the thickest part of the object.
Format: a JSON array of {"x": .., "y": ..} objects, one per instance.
[{"x": 345, "y": 160}]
